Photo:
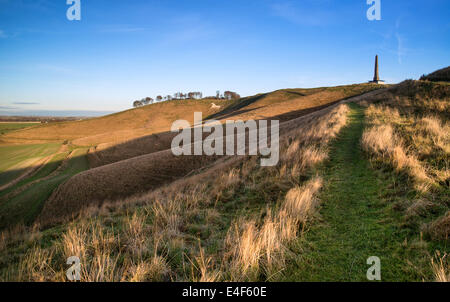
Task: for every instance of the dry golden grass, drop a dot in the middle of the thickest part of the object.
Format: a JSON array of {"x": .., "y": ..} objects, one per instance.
[
  {"x": 36, "y": 266},
  {"x": 440, "y": 267},
  {"x": 94, "y": 246},
  {"x": 409, "y": 132},
  {"x": 166, "y": 214},
  {"x": 134, "y": 234},
  {"x": 381, "y": 139},
  {"x": 439, "y": 229},
  {"x": 437, "y": 130},
  {"x": 409, "y": 129},
  {"x": 203, "y": 268},
  {"x": 19, "y": 233},
  {"x": 99, "y": 251},
  {"x": 300, "y": 202},
  {"x": 257, "y": 249}
]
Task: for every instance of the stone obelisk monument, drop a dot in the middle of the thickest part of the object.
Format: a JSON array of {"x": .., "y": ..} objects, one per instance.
[{"x": 376, "y": 76}]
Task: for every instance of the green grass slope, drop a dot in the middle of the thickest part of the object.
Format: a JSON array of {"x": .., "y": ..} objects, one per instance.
[
  {"x": 15, "y": 158},
  {"x": 357, "y": 222},
  {"x": 27, "y": 204}
]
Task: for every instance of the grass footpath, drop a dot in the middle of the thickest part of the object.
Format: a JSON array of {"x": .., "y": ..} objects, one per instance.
[{"x": 356, "y": 221}]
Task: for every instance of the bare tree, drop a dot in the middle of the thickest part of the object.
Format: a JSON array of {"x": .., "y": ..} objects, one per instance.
[
  {"x": 148, "y": 100},
  {"x": 137, "y": 104},
  {"x": 197, "y": 95},
  {"x": 230, "y": 95}
]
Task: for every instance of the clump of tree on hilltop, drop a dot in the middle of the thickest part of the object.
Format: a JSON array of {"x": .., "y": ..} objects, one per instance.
[{"x": 196, "y": 95}]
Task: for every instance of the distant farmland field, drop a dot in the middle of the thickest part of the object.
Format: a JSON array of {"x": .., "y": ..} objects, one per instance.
[
  {"x": 8, "y": 127},
  {"x": 24, "y": 200},
  {"x": 17, "y": 158}
]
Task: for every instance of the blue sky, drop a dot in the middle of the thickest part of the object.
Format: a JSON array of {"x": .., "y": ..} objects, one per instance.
[{"x": 126, "y": 50}]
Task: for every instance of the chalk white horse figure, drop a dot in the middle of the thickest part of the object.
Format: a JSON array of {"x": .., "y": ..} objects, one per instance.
[{"x": 214, "y": 106}]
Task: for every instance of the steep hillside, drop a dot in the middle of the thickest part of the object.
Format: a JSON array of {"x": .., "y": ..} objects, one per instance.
[
  {"x": 116, "y": 127},
  {"x": 143, "y": 172},
  {"x": 139, "y": 174},
  {"x": 156, "y": 118},
  {"x": 280, "y": 102},
  {"x": 281, "y": 105}
]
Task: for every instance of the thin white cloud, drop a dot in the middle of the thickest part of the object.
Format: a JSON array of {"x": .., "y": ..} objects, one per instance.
[
  {"x": 25, "y": 103},
  {"x": 400, "y": 42},
  {"x": 400, "y": 49},
  {"x": 120, "y": 29},
  {"x": 8, "y": 108},
  {"x": 294, "y": 14},
  {"x": 3, "y": 35},
  {"x": 189, "y": 34},
  {"x": 41, "y": 5},
  {"x": 187, "y": 28},
  {"x": 394, "y": 42}
]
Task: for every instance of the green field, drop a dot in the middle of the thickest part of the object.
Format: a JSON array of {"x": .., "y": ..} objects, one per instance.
[
  {"x": 27, "y": 203},
  {"x": 49, "y": 168},
  {"x": 8, "y": 127},
  {"x": 16, "y": 158},
  {"x": 23, "y": 201}
]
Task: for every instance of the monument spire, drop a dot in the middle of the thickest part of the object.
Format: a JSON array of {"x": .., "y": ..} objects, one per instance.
[{"x": 376, "y": 76}]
